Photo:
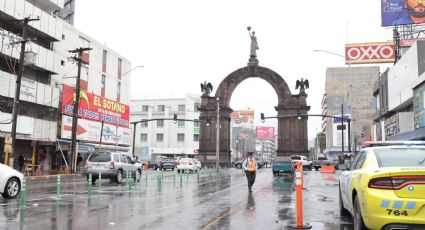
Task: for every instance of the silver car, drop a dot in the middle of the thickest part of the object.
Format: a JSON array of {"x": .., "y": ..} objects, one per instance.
[{"x": 112, "y": 165}]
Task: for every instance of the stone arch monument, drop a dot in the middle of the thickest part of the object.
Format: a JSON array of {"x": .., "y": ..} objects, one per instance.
[{"x": 292, "y": 133}]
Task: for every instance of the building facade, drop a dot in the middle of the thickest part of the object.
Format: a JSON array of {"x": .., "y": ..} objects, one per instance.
[
  {"x": 400, "y": 112},
  {"x": 349, "y": 92},
  {"x": 68, "y": 11},
  {"x": 48, "y": 67},
  {"x": 160, "y": 137}
]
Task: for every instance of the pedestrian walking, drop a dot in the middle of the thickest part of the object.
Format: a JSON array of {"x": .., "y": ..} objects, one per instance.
[
  {"x": 21, "y": 162},
  {"x": 79, "y": 161},
  {"x": 250, "y": 167}
]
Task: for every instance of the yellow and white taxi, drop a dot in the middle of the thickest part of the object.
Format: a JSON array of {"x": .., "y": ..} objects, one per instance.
[{"x": 384, "y": 187}]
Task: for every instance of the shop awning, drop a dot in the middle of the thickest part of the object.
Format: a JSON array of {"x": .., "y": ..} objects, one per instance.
[{"x": 82, "y": 147}]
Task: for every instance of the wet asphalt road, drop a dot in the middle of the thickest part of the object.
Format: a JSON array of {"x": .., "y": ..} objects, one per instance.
[{"x": 212, "y": 201}]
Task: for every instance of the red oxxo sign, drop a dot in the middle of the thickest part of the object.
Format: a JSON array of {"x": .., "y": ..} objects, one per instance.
[{"x": 377, "y": 52}]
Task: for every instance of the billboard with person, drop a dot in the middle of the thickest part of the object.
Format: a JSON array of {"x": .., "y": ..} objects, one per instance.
[{"x": 402, "y": 12}]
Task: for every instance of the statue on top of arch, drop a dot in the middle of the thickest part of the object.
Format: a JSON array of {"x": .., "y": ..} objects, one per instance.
[
  {"x": 303, "y": 85},
  {"x": 206, "y": 88}
]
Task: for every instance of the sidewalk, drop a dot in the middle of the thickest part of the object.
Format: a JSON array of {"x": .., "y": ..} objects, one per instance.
[{"x": 43, "y": 177}]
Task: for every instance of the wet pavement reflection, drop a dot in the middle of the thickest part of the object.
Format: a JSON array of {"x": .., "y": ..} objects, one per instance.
[{"x": 167, "y": 200}]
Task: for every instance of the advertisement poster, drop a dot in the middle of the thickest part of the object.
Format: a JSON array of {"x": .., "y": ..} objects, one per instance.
[
  {"x": 401, "y": 12},
  {"x": 265, "y": 132},
  {"x": 95, "y": 108},
  {"x": 243, "y": 118},
  {"x": 90, "y": 131}
]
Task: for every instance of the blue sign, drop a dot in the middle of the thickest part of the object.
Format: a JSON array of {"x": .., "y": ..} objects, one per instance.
[
  {"x": 401, "y": 12},
  {"x": 340, "y": 120}
]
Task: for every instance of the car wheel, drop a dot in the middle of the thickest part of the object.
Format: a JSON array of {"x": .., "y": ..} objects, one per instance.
[
  {"x": 358, "y": 219},
  {"x": 239, "y": 166},
  {"x": 172, "y": 169},
  {"x": 119, "y": 177},
  {"x": 316, "y": 168},
  {"x": 342, "y": 210},
  {"x": 12, "y": 188},
  {"x": 93, "y": 180}
]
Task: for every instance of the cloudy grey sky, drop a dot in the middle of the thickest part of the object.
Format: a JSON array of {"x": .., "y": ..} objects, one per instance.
[{"x": 182, "y": 43}]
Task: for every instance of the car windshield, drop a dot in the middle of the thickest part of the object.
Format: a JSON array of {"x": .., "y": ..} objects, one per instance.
[
  {"x": 296, "y": 158},
  {"x": 100, "y": 157},
  {"x": 322, "y": 158},
  {"x": 184, "y": 160},
  {"x": 400, "y": 157}
]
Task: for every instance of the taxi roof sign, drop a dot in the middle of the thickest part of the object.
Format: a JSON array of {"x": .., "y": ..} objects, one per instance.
[{"x": 389, "y": 143}]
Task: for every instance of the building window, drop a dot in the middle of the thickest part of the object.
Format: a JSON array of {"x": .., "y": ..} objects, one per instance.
[
  {"x": 104, "y": 59},
  {"x": 180, "y": 123},
  {"x": 197, "y": 124},
  {"x": 180, "y": 137},
  {"x": 144, "y": 123},
  {"x": 103, "y": 80},
  {"x": 160, "y": 123},
  {"x": 63, "y": 36},
  {"x": 159, "y": 137},
  {"x": 161, "y": 108},
  {"x": 195, "y": 137},
  {"x": 182, "y": 108},
  {"x": 145, "y": 108},
  {"x": 119, "y": 91},
  {"x": 196, "y": 107},
  {"x": 143, "y": 137}
]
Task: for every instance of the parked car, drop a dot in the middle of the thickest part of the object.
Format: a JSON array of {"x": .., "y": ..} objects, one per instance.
[
  {"x": 153, "y": 164},
  {"x": 238, "y": 164},
  {"x": 186, "y": 164},
  {"x": 10, "y": 181},
  {"x": 198, "y": 164},
  {"x": 167, "y": 164},
  {"x": 384, "y": 186},
  {"x": 317, "y": 164},
  {"x": 282, "y": 165},
  {"x": 112, "y": 165},
  {"x": 307, "y": 164}
]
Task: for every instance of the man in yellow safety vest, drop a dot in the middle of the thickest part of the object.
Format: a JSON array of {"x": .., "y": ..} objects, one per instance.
[{"x": 250, "y": 167}]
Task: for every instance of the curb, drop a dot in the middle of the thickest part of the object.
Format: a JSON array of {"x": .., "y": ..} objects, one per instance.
[{"x": 53, "y": 176}]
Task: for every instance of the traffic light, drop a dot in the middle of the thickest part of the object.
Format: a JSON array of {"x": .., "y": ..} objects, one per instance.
[
  {"x": 263, "y": 119},
  {"x": 299, "y": 117},
  {"x": 175, "y": 119}
]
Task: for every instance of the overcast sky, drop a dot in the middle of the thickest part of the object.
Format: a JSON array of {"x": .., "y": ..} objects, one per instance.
[{"x": 181, "y": 43}]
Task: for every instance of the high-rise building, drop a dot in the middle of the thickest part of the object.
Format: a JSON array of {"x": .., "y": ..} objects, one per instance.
[
  {"x": 351, "y": 87},
  {"x": 43, "y": 131},
  {"x": 68, "y": 11}
]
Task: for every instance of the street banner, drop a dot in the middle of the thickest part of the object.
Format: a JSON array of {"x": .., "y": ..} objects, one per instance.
[
  {"x": 265, "y": 132},
  {"x": 89, "y": 131},
  {"x": 95, "y": 108},
  {"x": 371, "y": 52},
  {"x": 401, "y": 12}
]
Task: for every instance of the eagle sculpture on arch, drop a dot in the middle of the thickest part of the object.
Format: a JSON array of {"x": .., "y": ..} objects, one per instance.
[
  {"x": 303, "y": 85},
  {"x": 206, "y": 88}
]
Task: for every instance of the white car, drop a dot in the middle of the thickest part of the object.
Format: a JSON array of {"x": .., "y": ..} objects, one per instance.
[
  {"x": 10, "y": 181},
  {"x": 198, "y": 164},
  {"x": 307, "y": 164},
  {"x": 186, "y": 164}
]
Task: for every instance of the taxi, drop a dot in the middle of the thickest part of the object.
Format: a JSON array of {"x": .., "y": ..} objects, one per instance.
[{"x": 384, "y": 186}]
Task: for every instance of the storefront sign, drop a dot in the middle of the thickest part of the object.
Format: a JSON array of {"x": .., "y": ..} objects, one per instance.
[
  {"x": 95, "y": 108},
  {"x": 392, "y": 125},
  {"x": 90, "y": 131},
  {"x": 419, "y": 106},
  {"x": 374, "y": 52}
]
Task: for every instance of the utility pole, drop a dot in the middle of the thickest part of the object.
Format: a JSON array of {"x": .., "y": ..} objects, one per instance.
[
  {"x": 134, "y": 137},
  {"x": 77, "y": 58},
  {"x": 15, "y": 108},
  {"x": 217, "y": 146},
  {"x": 342, "y": 130}
]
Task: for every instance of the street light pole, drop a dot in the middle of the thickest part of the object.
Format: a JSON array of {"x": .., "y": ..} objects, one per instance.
[{"x": 217, "y": 146}]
